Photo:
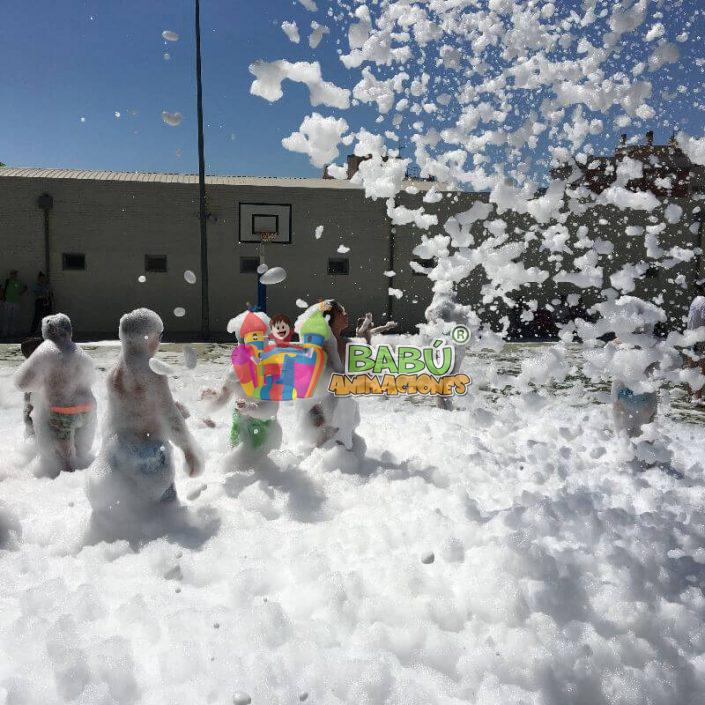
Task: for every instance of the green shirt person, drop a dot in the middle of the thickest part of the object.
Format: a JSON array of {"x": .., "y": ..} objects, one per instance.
[{"x": 13, "y": 289}]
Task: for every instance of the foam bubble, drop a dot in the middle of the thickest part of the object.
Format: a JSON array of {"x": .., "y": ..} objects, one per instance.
[
  {"x": 172, "y": 119},
  {"x": 275, "y": 275},
  {"x": 190, "y": 356},
  {"x": 160, "y": 368}
]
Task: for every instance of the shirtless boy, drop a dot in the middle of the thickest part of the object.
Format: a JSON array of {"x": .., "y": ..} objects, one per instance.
[
  {"x": 61, "y": 375},
  {"x": 143, "y": 419}
]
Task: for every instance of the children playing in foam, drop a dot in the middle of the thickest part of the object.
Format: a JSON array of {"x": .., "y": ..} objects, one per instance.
[{"x": 546, "y": 551}]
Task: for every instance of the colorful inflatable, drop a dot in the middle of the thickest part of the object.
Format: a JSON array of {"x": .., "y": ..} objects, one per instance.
[{"x": 275, "y": 372}]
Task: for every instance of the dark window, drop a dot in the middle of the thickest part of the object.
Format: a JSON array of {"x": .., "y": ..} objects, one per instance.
[
  {"x": 265, "y": 223},
  {"x": 73, "y": 261},
  {"x": 155, "y": 263},
  {"x": 248, "y": 265},
  {"x": 427, "y": 263},
  {"x": 338, "y": 265}
]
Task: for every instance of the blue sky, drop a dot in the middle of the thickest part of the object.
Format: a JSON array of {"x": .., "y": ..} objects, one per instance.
[
  {"x": 91, "y": 58},
  {"x": 74, "y": 58}
]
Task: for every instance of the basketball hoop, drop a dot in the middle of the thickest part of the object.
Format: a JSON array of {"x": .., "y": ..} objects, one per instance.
[{"x": 264, "y": 237}]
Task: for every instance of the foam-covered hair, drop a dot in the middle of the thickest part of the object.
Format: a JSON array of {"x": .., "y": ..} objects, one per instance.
[
  {"x": 326, "y": 307},
  {"x": 139, "y": 325},
  {"x": 56, "y": 327}
]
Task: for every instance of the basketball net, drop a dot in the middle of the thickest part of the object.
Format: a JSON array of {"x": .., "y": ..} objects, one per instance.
[{"x": 264, "y": 237}]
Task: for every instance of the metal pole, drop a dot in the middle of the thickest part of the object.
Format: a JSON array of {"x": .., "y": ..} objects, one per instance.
[
  {"x": 46, "y": 203},
  {"x": 203, "y": 216},
  {"x": 390, "y": 266},
  {"x": 47, "y": 258}
]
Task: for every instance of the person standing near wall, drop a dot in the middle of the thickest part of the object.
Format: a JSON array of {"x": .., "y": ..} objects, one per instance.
[
  {"x": 13, "y": 289},
  {"x": 43, "y": 301}
]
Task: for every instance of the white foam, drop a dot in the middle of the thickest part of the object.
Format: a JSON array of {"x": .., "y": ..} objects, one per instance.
[
  {"x": 274, "y": 275},
  {"x": 160, "y": 367}
]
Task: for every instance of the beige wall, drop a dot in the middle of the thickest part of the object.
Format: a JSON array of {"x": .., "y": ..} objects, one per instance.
[
  {"x": 347, "y": 218},
  {"x": 409, "y": 310},
  {"x": 21, "y": 240},
  {"x": 116, "y": 223},
  {"x": 605, "y": 222}
]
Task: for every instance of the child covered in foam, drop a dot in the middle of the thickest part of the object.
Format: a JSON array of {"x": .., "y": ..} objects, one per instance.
[
  {"x": 143, "y": 421},
  {"x": 634, "y": 360},
  {"x": 61, "y": 375},
  {"x": 255, "y": 430}
]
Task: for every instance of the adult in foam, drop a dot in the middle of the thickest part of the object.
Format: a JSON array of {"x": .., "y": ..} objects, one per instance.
[
  {"x": 61, "y": 375},
  {"x": 696, "y": 321},
  {"x": 327, "y": 417}
]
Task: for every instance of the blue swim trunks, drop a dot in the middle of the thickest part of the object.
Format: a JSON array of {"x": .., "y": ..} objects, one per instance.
[
  {"x": 627, "y": 397},
  {"x": 147, "y": 463}
]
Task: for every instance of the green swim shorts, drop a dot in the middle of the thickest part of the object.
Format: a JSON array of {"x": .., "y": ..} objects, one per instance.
[
  {"x": 245, "y": 428},
  {"x": 63, "y": 425}
]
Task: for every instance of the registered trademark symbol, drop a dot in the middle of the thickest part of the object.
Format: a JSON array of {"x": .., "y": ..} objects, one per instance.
[{"x": 460, "y": 334}]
